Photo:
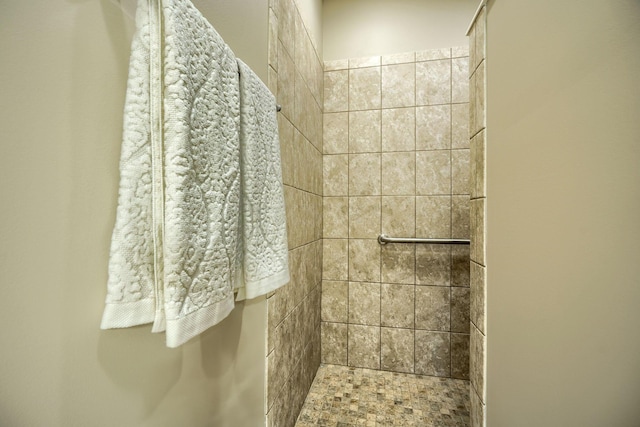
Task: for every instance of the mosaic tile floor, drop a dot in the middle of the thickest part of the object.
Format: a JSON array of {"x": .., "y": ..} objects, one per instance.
[{"x": 342, "y": 396}]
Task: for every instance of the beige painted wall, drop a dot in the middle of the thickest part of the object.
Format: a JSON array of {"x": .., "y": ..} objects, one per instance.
[
  {"x": 358, "y": 28},
  {"x": 563, "y": 242},
  {"x": 62, "y": 79}
]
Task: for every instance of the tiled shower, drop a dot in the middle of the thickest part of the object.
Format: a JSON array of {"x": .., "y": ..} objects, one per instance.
[{"x": 396, "y": 161}]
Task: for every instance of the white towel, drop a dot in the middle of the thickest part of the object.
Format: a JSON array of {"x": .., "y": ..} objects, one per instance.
[
  {"x": 175, "y": 253},
  {"x": 264, "y": 235}
]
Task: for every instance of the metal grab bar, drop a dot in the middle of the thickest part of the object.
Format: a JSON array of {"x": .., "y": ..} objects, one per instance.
[{"x": 383, "y": 239}]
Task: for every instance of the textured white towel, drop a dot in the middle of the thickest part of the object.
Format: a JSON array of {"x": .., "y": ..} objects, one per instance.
[
  {"x": 175, "y": 253},
  {"x": 264, "y": 235}
]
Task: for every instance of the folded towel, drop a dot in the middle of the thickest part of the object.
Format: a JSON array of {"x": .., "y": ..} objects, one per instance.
[
  {"x": 175, "y": 253},
  {"x": 264, "y": 234}
]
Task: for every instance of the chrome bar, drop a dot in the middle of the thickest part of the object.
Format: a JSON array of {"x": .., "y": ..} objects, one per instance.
[{"x": 383, "y": 239}]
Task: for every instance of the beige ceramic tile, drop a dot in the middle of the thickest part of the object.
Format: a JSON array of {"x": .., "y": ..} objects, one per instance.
[
  {"x": 367, "y": 61},
  {"x": 287, "y": 150},
  {"x": 398, "y": 263},
  {"x": 472, "y": 105},
  {"x": 364, "y": 131},
  {"x": 478, "y": 171},
  {"x": 272, "y": 82},
  {"x": 460, "y": 80},
  {"x": 433, "y": 217},
  {"x": 335, "y": 259},
  {"x": 460, "y": 51},
  {"x": 334, "y": 343},
  {"x": 335, "y": 175},
  {"x": 433, "y": 127},
  {"x": 335, "y": 133},
  {"x": 433, "y": 172},
  {"x": 460, "y": 171},
  {"x": 460, "y": 310},
  {"x": 433, "y": 265},
  {"x": 399, "y": 129},
  {"x": 460, "y": 125},
  {"x": 396, "y": 349},
  {"x": 398, "y": 58},
  {"x": 364, "y": 174},
  {"x": 336, "y": 91},
  {"x": 364, "y": 88},
  {"x": 335, "y": 214},
  {"x": 479, "y": 97},
  {"x": 460, "y": 217},
  {"x": 398, "y": 174},
  {"x": 336, "y": 64},
  {"x": 460, "y": 265},
  {"x": 433, "y": 355},
  {"x": 397, "y": 305},
  {"x": 334, "y": 301},
  {"x": 286, "y": 24},
  {"x": 398, "y": 85},
  {"x": 364, "y": 260},
  {"x": 399, "y": 216},
  {"x": 433, "y": 82},
  {"x": 480, "y": 36},
  {"x": 477, "y": 368},
  {"x": 433, "y": 308},
  {"x": 364, "y": 303},
  {"x": 472, "y": 50},
  {"x": 478, "y": 301},
  {"x": 364, "y": 346},
  {"x": 286, "y": 74},
  {"x": 460, "y": 356},
  {"x": 478, "y": 418},
  {"x": 476, "y": 229},
  {"x": 364, "y": 217},
  {"x": 273, "y": 40},
  {"x": 429, "y": 55}
]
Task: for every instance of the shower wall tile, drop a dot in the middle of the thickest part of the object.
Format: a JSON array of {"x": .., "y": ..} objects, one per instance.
[
  {"x": 364, "y": 174},
  {"x": 364, "y": 131},
  {"x": 460, "y": 125},
  {"x": 396, "y": 349},
  {"x": 433, "y": 82},
  {"x": 399, "y": 173},
  {"x": 433, "y": 353},
  {"x": 334, "y": 343},
  {"x": 335, "y": 301},
  {"x": 364, "y": 303},
  {"x": 368, "y": 61},
  {"x": 460, "y": 310},
  {"x": 364, "y": 217},
  {"x": 480, "y": 85},
  {"x": 336, "y": 133},
  {"x": 286, "y": 74},
  {"x": 460, "y": 80},
  {"x": 433, "y": 127},
  {"x": 272, "y": 50},
  {"x": 477, "y": 416},
  {"x": 477, "y": 227},
  {"x": 335, "y": 259},
  {"x": 398, "y": 85},
  {"x": 396, "y": 161},
  {"x": 399, "y": 129},
  {"x": 399, "y": 58},
  {"x": 364, "y": 260},
  {"x": 336, "y": 91},
  {"x": 435, "y": 302},
  {"x": 477, "y": 371},
  {"x": 433, "y": 216},
  {"x": 477, "y": 166},
  {"x": 364, "y": 346},
  {"x": 460, "y": 218},
  {"x": 335, "y": 175},
  {"x": 364, "y": 88},
  {"x": 432, "y": 54},
  {"x": 433, "y": 265},
  {"x": 397, "y": 263},
  {"x": 335, "y": 217},
  {"x": 399, "y": 215},
  {"x": 460, "y": 356},
  {"x": 433, "y": 172},
  {"x": 478, "y": 300},
  {"x": 480, "y": 25},
  {"x": 460, "y": 171},
  {"x": 397, "y": 305}
]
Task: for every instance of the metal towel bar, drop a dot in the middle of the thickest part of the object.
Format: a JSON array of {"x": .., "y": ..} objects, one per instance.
[{"x": 383, "y": 239}]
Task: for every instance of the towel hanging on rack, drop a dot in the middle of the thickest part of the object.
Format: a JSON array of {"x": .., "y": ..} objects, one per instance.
[{"x": 177, "y": 246}]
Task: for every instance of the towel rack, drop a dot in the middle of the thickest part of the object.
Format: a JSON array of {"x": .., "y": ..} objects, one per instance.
[{"x": 383, "y": 239}]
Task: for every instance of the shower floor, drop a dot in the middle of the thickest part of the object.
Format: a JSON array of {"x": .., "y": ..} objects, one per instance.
[{"x": 342, "y": 396}]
